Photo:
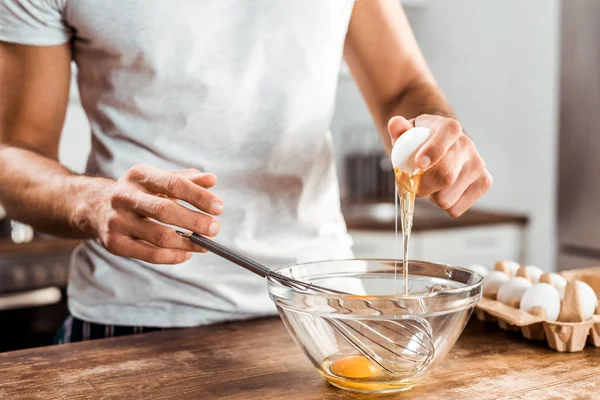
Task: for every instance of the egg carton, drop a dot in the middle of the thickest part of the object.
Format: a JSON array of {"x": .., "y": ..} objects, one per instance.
[{"x": 562, "y": 336}]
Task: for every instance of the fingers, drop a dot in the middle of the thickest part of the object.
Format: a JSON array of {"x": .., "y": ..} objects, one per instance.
[
  {"x": 204, "y": 179},
  {"x": 166, "y": 211},
  {"x": 442, "y": 175},
  {"x": 455, "y": 174},
  {"x": 125, "y": 246},
  {"x": 152, "y": 232},
  {"x": 473, "y": 192},
  {"x": 450, "y": 182},
  {"x": 447, "y": 197},
  {"x": 446, "y": 132},
  {"x": 147, "y": 199},
  {"x": 397, "y": 126},
  {"x": 177, "y": 186}
]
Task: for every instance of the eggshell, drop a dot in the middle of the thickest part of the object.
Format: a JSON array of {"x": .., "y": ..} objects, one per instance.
[
  {"x": 556, "y": 280},
  {"x": 512, "y": 289},
  {"x": 492, "y": 282},
  {"x": 534, "y": 273},
  {"x": 406, "y": 147},
  {"x": 559, "y": 283},
  {"x": 542, "y": 295},
  {"x": 480, "y": 269},
  {"x": 588, "y": 299},
  {"x": 508, "y": 267}
]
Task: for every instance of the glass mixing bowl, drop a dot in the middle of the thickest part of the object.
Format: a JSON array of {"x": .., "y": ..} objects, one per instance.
[{"x": 432, "y": 316}]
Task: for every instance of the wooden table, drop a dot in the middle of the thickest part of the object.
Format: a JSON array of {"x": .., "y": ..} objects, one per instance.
[{"x": 258, "y": 360}]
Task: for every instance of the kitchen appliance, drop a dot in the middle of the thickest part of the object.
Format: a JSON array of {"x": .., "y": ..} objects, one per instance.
[
  {"x": 40, "y": 264},
  {"x": 5, "y": 228},
  {"x": 368, "y": 176},
  {"x": 400, "y": 337},
  {"x": 579, "y": 142},
  {"x": 16, "y": 231},
  {"x": 367, "y": 172},
  {"x": 33, "y": 280}
]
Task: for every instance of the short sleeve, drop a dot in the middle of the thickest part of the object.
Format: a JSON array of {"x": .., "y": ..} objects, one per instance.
[{"x": 34, "y": 22}]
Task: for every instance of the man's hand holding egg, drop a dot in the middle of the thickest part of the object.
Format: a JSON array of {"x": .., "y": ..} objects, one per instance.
[{"x": 455, "y": 174}]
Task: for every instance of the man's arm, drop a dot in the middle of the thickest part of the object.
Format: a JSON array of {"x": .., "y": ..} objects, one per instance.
[
  {"x": 34, "y": 90},
  {"x": 388, "y": 65},
  {"x": 400, "y": 91},
  {"x": 36, "y": 189}
]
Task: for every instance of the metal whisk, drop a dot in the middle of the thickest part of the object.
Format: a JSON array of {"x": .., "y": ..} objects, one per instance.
[{"x": 393, "y": 345}]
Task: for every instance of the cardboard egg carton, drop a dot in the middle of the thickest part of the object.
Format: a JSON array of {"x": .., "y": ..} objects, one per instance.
[{"x": 561, "y": 335}]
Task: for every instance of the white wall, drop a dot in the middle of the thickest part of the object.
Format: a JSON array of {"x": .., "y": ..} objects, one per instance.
[
  {"x": 497, "y": 60},
  {"x": 75, "y": 141}
]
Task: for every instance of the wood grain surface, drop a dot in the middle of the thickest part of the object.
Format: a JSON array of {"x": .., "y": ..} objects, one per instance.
[{"x": 258, "y": 360}]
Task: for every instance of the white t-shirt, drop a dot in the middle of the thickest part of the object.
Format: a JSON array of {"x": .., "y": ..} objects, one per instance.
[{"x": 243, "y": 89}]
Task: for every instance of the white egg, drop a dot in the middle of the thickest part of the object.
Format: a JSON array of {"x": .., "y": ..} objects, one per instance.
[
  {"x": 559, "y": 283},
  {"x": 513, "y": 288},
  {"x": 493, "y": 281},
  {"x": 534, "y": 273},
  {"x": 542, "y": 295},
  {"x": 511, "y": 267},
  {"x": 405, "y": 148},
  {"x": 588, "y": 299},
  {"x": 478, "y": 268}
]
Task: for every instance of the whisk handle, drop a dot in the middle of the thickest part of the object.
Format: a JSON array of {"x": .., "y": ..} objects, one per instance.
[
  {"x": 252, "y": 265},
  {"x": 227, "y": 254}
]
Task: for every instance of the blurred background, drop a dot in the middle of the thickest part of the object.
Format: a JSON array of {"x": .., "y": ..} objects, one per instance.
[{"x": 504, "y": 65}]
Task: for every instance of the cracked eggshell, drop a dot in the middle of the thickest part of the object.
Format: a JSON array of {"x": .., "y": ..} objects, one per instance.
[
  {"x": 478, "y": 268},
  {"x": 406, "y": 147},
  {"x": 508, "y": 267},
  {"x": 513, "y": 289},
  {"x": 492, "y": 282},
  {"x": 544, "y": 296}
]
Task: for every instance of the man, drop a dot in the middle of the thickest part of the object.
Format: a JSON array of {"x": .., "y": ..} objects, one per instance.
[{"x": 179, "y": 93}]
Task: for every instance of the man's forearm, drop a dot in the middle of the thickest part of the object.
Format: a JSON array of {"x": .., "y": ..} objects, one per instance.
[
  {"x": 37, "y": 190},
  {"x": 421, "y": 98},
  {"x": 416, "y": 99}
]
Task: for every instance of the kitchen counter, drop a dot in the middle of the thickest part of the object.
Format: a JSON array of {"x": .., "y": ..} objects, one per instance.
[
  {"x": 258, "y": 360},
  {"x": 39, "y": 246},
  {"x": 476, "y": 237},
  {"x": 42, "y": 263},
  {"x": 380, "y": 216}
]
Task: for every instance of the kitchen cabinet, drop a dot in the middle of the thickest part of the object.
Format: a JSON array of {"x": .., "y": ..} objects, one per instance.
[
  {"x": 477, "y": 237},
  {"x": 459, "y": 246},
  {"x": 40, "y": 264},
  {"x": 33, "y": 279}
]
